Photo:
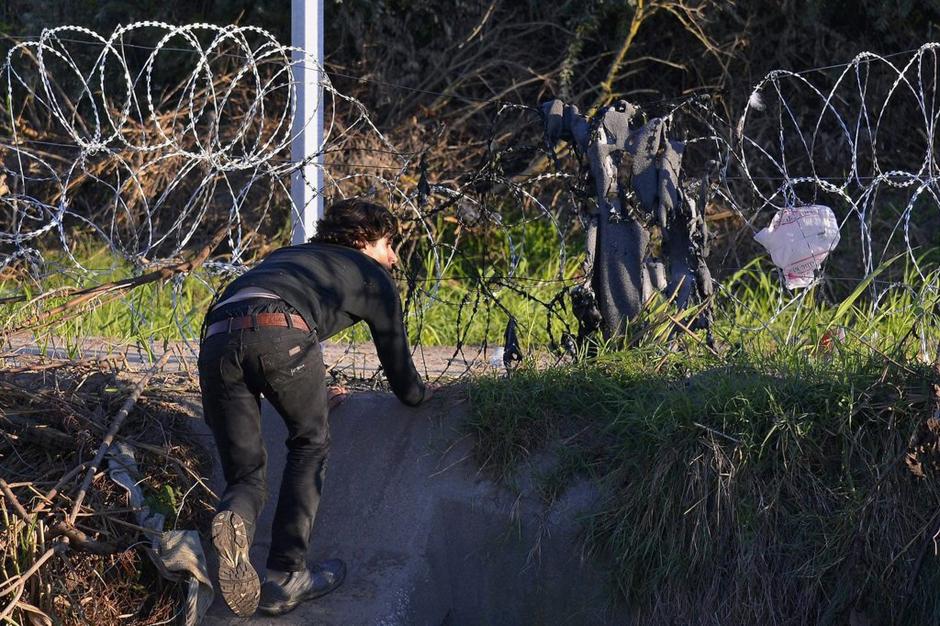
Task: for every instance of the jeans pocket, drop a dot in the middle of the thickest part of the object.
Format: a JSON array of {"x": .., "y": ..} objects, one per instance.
[{"x": 288, "y": 359}]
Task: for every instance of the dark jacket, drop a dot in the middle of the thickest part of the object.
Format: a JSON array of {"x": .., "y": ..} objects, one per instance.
[{"x": 333, "y": 287}]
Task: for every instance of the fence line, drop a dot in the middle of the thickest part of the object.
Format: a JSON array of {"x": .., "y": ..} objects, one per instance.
[{"x": 147, "y": 167}]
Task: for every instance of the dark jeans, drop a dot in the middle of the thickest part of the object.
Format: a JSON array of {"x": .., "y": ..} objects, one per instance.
[{"x": 286, "y": 366}]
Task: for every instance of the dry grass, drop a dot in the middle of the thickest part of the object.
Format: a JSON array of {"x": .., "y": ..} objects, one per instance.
[{"x": 53, "y": 416}]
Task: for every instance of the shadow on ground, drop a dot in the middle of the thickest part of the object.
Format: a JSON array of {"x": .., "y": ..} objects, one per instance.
[{"x": 427, "y": 539}]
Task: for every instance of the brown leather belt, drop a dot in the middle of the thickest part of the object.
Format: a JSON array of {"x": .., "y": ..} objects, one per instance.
[{"x": 282, "y": 320}]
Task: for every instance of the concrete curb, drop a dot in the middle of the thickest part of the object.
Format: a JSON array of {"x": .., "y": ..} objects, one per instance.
[{"x": 426, "y": 539}]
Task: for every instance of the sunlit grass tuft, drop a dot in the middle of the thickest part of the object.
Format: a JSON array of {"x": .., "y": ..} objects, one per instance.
[{"x": 764, "y": 484}]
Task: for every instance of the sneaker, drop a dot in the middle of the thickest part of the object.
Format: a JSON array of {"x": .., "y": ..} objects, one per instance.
[
  {"x": 283, "y": 593},
  {"x": 238, "y": 580}
]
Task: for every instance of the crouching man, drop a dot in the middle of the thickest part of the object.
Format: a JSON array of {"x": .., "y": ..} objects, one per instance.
[{"x": 263, "y": 338}]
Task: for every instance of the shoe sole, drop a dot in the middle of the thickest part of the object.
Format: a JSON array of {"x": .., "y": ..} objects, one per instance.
[
  {"x": 238, "y": 580},
  {"x": 281, "y": 609}
]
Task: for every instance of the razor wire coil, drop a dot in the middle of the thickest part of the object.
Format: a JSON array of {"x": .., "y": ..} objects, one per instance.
[{"x": 164, "y": 167}]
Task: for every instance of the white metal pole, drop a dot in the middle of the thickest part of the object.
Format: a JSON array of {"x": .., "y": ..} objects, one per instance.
[{"x": 307, "y": 182}]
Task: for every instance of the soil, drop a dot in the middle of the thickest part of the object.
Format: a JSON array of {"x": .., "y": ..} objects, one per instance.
[
  {"x": 345, "y": 361},
  {"x": 923, "y": 457}
]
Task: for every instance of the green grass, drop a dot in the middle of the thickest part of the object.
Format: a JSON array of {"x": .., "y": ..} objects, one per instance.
[
  {"x": 152, "y": 312},
  {"x": 459, "y": 306},
  {"x": 767, "y": 485}
]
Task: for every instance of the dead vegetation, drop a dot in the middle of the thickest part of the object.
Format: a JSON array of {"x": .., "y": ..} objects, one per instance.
[
  {"x": 70, "y": 555},
  {"x": 923, "y": 458}
]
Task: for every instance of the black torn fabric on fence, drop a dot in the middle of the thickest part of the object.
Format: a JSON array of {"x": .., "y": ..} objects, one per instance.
[
  {"x": 637, "y": 176},
  {"x": 512, "y": 352}
]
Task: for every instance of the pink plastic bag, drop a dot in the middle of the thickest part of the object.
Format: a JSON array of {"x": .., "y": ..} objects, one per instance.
[{"x": 799, "y": 239}]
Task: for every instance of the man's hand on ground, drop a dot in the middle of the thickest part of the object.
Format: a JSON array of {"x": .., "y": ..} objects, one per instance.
[
  {"x": 429, "y": 390},
  {"x": 336, "y": 395}
]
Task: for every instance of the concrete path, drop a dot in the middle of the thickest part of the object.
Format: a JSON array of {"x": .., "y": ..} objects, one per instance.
[
  {"x": 428, "y": 541},
  {"x": 345, "y": 360}
]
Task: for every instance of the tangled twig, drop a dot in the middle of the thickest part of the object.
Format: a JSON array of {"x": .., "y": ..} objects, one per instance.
[{"x": 112, "y": 431}]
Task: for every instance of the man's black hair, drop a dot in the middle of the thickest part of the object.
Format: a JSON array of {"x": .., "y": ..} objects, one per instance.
[{"x": 354, "y": 223}]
